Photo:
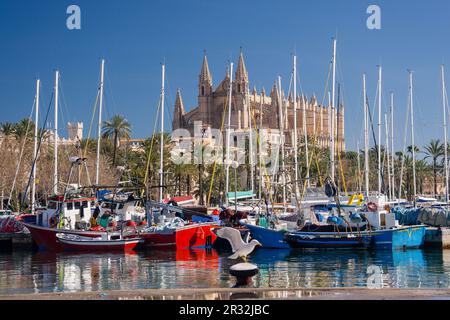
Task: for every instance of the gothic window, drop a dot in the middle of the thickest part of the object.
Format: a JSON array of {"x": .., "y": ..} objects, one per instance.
[
  {"x": 239, "y": 88},
  {"x": 203, "y": 90}
]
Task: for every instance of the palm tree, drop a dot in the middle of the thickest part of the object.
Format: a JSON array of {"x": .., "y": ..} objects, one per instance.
[
  {"x": 116, "y": 128},
  {"x": 434, "y": 150},
  {"x": 23, "y": 129},
  {"x": 7, "y": 128}
]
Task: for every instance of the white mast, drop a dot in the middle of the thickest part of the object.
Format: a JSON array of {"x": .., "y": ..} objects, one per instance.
[
  {"x": 260, "y": 149},
  {"x": 444, "y": 107},
  {"x": 161, "y": 152},
  {"x": 379, "y": 130},
  {"x": 228, "y": 160},
  {"x": 366, "y": 137},
  {"x": 250, "y": 117},
  {"x": 36, "y": 132},
  {"x": 333, "y": 94},
  {"x": 388, "y": 157},
  {"x": 412, "y": 135},
  {"x": 281, "y": 122},
  {"x": 359, "y": 168},
  {"x": 392, "y": 147},
  {"x": 99, "y": 134},
  {"x": 295, "y": 126},
  {"x": 55, "y": 173}
]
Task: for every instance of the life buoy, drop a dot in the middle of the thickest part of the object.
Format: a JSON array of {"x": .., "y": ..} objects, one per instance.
[
  {"x": 52, "y": 222},
  {"x": 373, "y": 207}
]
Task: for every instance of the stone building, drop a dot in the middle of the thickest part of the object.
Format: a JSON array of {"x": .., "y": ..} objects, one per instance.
[{"x": 265, "y": 109}]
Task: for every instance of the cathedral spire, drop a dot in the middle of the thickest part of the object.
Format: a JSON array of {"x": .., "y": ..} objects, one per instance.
[
  {"x": 205, "y": 79},
  {"x": 241, "y": 71},
  {"x": 179, "y": 112},
  {"x": 205, "y": 75}
]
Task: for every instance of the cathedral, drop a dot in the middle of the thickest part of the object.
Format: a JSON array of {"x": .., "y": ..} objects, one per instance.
[{"x": 271, "y": 112}]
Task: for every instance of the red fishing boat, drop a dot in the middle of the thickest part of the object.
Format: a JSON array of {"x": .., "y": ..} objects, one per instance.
[
  {"x": 105, "y": 243},
  {"x": 63, "y": 215},
  {"x": 196, "y": 235}
]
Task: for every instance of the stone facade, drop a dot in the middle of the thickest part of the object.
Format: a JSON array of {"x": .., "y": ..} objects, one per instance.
[{"x": 265, "y": 109}]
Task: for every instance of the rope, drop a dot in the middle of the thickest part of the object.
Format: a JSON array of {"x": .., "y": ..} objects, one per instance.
[
  {"x": 21, "y": 152},
  {"x": 147, "y": 167}
]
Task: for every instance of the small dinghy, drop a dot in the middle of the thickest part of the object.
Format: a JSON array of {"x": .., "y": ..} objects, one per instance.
[{"x": 105, "y": 243}]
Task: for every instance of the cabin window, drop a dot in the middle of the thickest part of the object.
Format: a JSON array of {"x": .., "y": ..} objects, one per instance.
[
  {"x": 120, "y": 206},
  {"x": 52, "y": 205},
  {"x": 85, "y": 204},
  {"x": 77, "y": 205},
  {"x": 92, "y": 203},
  {"x": 69, "y": 206}
]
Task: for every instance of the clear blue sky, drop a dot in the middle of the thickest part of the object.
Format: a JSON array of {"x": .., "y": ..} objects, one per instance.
[{"x": 136, "y": 36}]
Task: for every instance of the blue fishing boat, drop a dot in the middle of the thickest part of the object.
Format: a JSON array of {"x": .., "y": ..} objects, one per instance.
[
  {"x": 328, "y": 240},
  {"x": 399, "y": 238},
  {"x": 269, "y": 238}
]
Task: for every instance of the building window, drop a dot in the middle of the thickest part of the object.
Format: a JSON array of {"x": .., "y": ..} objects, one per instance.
[{"x": 203, "y": 90}]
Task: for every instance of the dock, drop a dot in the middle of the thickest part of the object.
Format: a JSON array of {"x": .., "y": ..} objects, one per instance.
[
  {"x": 16, "y": 241},
  {"x": 437, "y": 238}
]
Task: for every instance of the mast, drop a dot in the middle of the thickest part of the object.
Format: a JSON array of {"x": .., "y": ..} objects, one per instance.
[
  {"x": 228, "y": 162},
  {"x": 305, "y": 137},
  {"x": 295, "y": 126},
  {"x": 412, "y": 135},
  {"x": 99, "y": 134},
  {"x": 388, "y": 157},
  {"x": 444, "y": 107},
  {"x": 366, "y": 137},
  {"x": 392, "y": 147},
  {"x": 260, "y": 149},
  {"x": 359, "y": 168},
  {"x": 161, "y": 152},
  {"x": 333, "y": 94},
  {"x": 379, "y": 130},
  {"x": 55, "y": 172},
  {"x": 281, "y": 121},
  {"x": 36, "y": 133},
  {"x": 250, "y": 114}
]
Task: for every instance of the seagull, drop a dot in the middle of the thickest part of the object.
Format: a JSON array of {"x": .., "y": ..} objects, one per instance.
[{"x": 240, "y": 248}]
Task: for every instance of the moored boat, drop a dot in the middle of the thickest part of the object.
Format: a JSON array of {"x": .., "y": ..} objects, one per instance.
[
  {"x": 104, "y": 243},
  {"x": 328, "y": 240},
  {"x": 269, "y": 238}
]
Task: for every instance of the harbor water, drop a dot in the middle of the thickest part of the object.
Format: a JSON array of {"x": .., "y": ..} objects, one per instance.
[{"x": 40, "y": 272}]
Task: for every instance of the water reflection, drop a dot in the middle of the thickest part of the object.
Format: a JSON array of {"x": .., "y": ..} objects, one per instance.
[{"x": 165, "y": 269}]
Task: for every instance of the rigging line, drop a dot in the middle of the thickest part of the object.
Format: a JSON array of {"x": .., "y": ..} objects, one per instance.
[
  {"x": 147, "y": 167},
  {"x": 225, "y": 108},
  {"x": 404, "y": 152},
  {"x": 35, "y": 158},
  {"x": 169, "y": 101},
  {"x": 91, "y": 124},
  {"x": 375, "y": 141},
  {"x": 64, "y": 116},
  {"x": 109, "y": 89},
  {"x": 25, "y": 138}
]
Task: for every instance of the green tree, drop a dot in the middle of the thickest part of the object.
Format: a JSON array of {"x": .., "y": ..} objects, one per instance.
[
  {"x": 116, "y": 128},
  {"x": 434, "y": 150}
]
